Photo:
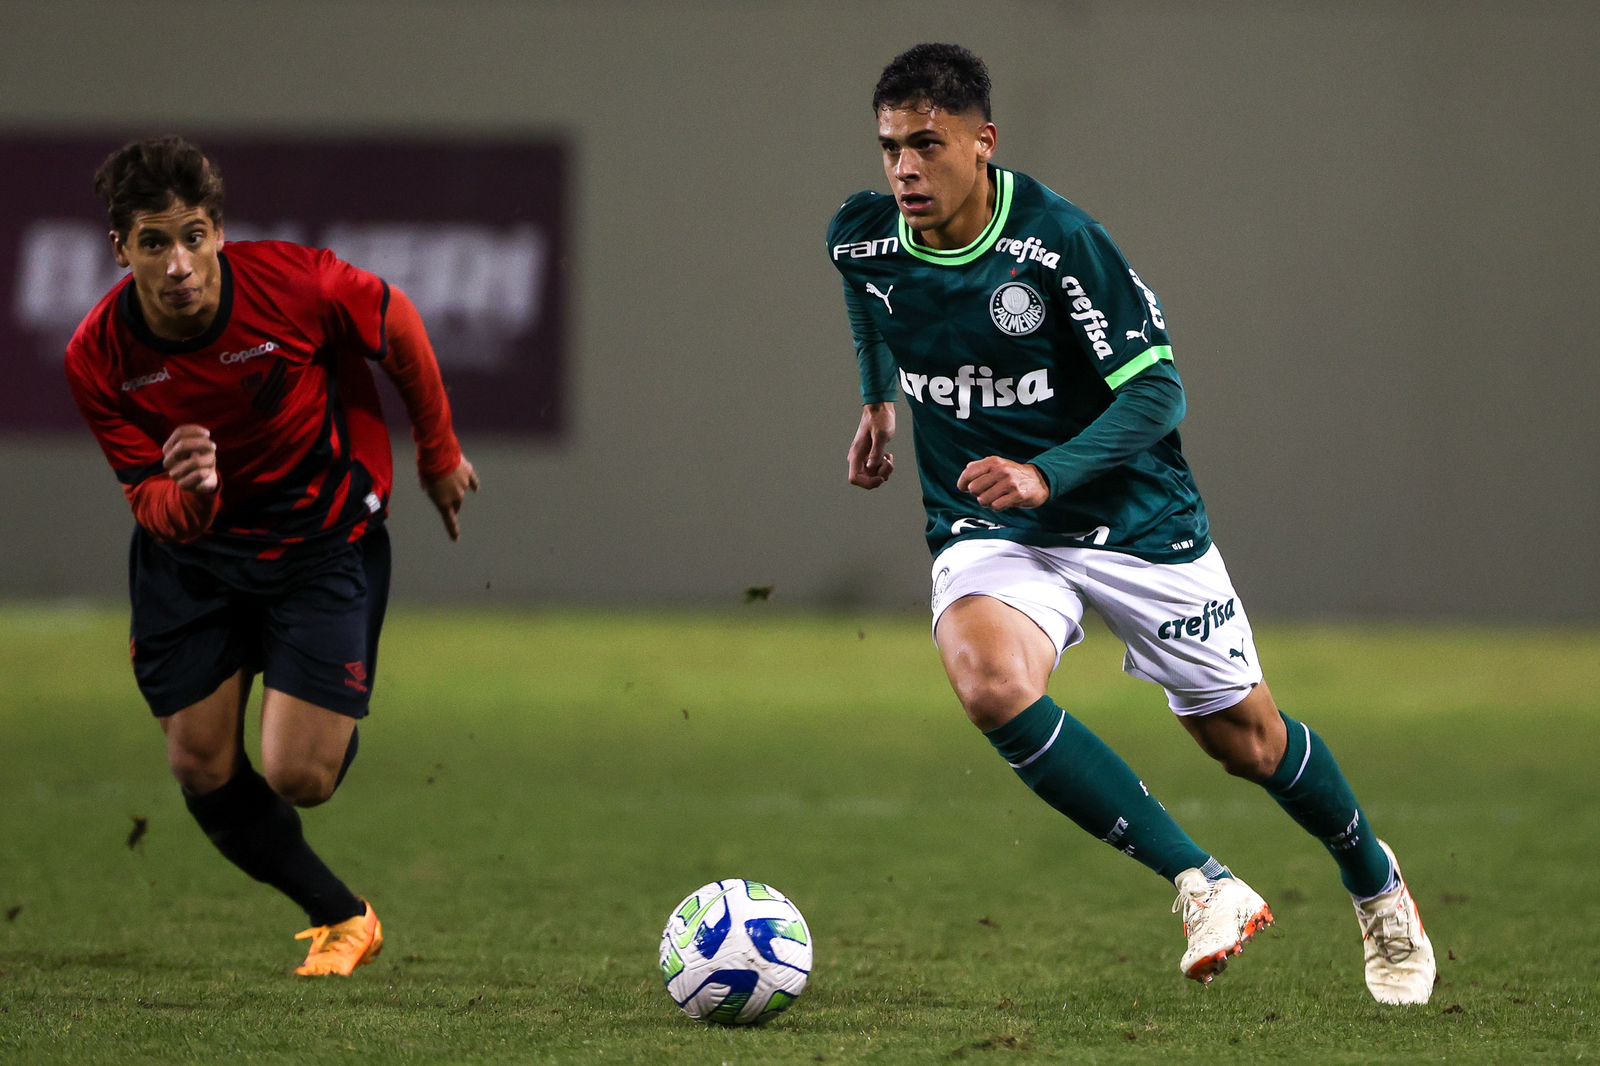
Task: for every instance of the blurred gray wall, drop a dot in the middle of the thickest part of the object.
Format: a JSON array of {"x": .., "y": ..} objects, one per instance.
[{"x": 1372, "y": 225}]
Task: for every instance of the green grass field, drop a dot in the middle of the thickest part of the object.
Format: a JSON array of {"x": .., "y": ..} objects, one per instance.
[{"x": 535, "y": 793}]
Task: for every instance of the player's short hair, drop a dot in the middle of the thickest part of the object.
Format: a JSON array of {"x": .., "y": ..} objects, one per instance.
[
  {"x": 149, "y": 175},
  {"x": 945, "y": 76}
]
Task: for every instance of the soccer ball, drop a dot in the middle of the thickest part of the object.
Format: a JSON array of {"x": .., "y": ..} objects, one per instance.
[{"x": 735, "y": 952}]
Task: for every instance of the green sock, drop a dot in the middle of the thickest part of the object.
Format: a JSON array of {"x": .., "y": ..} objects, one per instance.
[
  {"x": 1076, "y": 773},
  {"x": 1311, "y": 787}
]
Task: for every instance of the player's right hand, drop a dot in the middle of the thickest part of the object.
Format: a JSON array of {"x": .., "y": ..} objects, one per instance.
[
  {"x": 190, "y": 459},
  {"x": 870, "y": 466},
  {"x": 450, "y": 492}
]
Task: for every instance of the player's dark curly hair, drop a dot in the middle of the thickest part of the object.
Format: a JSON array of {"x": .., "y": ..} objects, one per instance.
[
  {"x": 947, "y": 76},
  {"x": 149, "y": 175}
]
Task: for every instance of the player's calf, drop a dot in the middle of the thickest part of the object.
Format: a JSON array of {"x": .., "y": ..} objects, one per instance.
[{"x": 1248, "y": 739}]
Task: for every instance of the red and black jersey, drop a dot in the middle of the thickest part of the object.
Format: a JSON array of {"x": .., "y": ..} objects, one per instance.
[{"x": 282, "y": 381}]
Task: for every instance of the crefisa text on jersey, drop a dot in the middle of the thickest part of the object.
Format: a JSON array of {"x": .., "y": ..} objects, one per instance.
[
  {"x": 1026, "y": 249},
  {"x": 1087, "y": 316},
  {"x": 957, "y": 392}
]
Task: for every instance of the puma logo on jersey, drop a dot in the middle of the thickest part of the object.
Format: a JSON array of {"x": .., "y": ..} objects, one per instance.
[
  {"x": 867, "y": 249},
  {"x": 977, "y": 383},
  {"x": 884, "y": 296}
]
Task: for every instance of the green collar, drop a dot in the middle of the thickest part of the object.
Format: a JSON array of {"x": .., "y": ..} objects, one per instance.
[{"x": 980, "y": 244}]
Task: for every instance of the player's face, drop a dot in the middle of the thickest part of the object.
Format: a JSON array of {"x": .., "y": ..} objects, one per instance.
[
  {"x": 173, "y": 254},
  {"x": 937, "y": 164}
]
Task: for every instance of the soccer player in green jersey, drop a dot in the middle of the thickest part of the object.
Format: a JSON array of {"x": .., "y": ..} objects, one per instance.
[{"x": 1040, "y": 376}]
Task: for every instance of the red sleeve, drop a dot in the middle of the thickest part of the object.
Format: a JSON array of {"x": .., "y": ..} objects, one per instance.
[
  {"x": 412, "y": 366},
  {"x": 168, "y": 512},
  {"x": 355, "y": 301},
  {"x": 130, "y": 451}
]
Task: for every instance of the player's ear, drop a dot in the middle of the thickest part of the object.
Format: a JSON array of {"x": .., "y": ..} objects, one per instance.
[
  {"x": 119, "y": 251},
  {"x": 221, "y": 236},
  {"x": 988, "y": 139}
]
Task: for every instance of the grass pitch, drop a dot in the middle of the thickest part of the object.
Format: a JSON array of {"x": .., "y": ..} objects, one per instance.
[{"x": 535, "y": 792}]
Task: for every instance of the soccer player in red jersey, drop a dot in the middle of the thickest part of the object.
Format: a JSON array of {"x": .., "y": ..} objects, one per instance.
[{"x": 231, "y": 391}]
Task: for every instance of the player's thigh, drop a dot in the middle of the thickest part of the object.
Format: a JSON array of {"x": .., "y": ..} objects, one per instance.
[
  {"x": 1002, "y": 617},
  {"x": 302, "y": 747},
  {"x": 1183, "y": 625},
  {"x": 320, "y": 648},
  {"x": 205, "y": 739}
]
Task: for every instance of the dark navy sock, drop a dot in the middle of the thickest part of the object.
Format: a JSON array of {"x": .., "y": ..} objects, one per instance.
[{"x": 259, "y": 832}]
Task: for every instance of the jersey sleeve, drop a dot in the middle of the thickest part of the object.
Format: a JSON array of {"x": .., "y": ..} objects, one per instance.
[
  {"x": 1119, "y": 322},
  {"x": 874, "y": 361},
  {"x": 132, "y": 453},
  {"x": 356, "y": 304},
  {"x": 1150, "y": 406}
]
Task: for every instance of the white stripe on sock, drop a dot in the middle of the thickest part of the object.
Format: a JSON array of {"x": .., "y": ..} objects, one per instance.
[
  {"x": 1025, "y": 763},
  {"x": 1303, "y": 759}
]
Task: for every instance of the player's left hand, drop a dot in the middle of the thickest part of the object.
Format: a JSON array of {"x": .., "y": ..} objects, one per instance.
[
  {"x": 999, "y": 484},
  {"x": 449, "y": 492}
]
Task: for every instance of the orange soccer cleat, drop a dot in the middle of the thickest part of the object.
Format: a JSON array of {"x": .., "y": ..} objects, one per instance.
[{"x": 339, "y": 949}]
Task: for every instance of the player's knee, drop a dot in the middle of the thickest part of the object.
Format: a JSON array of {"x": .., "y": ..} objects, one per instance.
[
  {"x": 197, "y": 771},
  {"x": 992, "y": 695},
  {"x": 303, "y": 786}
]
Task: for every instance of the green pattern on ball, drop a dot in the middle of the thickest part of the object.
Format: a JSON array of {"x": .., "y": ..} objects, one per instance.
[
  {"x": 672, "y": 965},
  {"x": 728, "y": 1012},
  {"x": 780, "y": 1002}
]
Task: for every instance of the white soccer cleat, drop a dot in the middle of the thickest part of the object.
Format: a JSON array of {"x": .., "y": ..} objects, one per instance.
[
  {"x": 1219, "y": 918},
  {"x": 1400, "y": 965}
]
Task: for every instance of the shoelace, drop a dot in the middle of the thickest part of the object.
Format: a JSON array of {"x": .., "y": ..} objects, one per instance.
[
  {"x": 319, "y": 937},
  {"x": 1389, "y": 932},
  {"x": 1193, "y": 904}
]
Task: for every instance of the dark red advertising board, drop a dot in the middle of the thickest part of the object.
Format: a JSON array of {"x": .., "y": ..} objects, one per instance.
[{"x": 474, "y": 231}]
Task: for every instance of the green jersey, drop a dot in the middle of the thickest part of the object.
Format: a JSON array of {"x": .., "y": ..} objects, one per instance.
[{"x": 1013, "y": 346}]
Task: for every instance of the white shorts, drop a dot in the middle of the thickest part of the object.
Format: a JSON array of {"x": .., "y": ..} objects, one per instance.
[{"x": 1182, "y": 623}]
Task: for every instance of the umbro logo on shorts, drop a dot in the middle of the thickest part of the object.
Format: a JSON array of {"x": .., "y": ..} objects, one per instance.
[{"x": 358, "y": 676}]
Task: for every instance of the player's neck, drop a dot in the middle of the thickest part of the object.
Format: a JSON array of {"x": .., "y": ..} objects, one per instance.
[
  {"x": 171, "y": 327},
  {"x": 965, "y": 225}
]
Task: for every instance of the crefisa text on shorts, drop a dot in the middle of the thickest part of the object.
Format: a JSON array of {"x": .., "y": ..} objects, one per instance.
[{"x": 1213, "y": 616}]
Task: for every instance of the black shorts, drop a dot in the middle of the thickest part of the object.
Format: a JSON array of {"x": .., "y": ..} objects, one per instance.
[{"x": 308, "y": 626}]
